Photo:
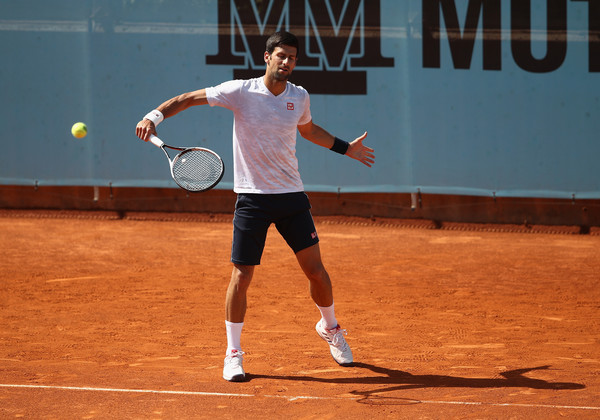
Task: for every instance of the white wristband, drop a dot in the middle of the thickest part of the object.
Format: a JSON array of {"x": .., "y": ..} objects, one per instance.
[{"x": 155, "y": 116}]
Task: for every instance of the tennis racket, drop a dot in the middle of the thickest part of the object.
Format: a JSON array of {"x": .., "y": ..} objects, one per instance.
[{"x": 194, "y": 169}]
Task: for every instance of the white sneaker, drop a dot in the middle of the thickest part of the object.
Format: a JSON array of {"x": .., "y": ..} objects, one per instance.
[
  {"x": 339, "y": 348},
  {"x": 233, "y": 370}
]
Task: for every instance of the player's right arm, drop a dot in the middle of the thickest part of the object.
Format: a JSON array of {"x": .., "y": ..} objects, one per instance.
[{"x": 169, "y": 108}]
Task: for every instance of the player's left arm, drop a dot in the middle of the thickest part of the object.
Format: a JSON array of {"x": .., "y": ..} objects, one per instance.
[{"x": 356, "y": 149}]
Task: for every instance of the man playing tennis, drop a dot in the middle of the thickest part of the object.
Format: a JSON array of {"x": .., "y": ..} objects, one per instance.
[{"x": 267, "y": 112}]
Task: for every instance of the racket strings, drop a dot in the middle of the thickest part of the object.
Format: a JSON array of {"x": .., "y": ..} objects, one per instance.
[{"x": 197, "y": 170}]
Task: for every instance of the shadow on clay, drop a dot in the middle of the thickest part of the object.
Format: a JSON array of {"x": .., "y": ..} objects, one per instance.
[{"x": 396, "y": 380}]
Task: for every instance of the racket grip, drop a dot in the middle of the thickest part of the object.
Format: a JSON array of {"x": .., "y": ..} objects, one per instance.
[{"x": 156, "y": 141}]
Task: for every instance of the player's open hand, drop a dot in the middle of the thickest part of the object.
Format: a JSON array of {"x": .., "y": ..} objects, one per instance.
[
  {"x": 357, "y": 150},
  {"x": 144, "y": 128}
]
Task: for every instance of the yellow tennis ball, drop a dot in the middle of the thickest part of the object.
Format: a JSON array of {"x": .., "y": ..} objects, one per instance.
[{"x": 79, "y": 130}]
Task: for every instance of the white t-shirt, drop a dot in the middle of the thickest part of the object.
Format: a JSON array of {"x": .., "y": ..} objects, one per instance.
[{"x": 264, "y": 134}]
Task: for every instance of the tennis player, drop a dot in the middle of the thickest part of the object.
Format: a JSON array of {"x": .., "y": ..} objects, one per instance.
[{"x": 267, "y": 112}]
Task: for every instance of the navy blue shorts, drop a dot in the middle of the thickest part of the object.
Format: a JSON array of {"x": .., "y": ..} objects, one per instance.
[{"x": 254, "y": 213}]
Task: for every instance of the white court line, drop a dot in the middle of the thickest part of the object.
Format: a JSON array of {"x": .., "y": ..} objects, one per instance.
[
  {"x": 290, "y": 398},
  {"x": 71, "y": 279},
  {"x": 150, "y": 391},
  {"x": 573, "y": 407}
]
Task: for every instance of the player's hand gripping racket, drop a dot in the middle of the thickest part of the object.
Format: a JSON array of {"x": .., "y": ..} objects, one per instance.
[{"x": 194, "y": 168}]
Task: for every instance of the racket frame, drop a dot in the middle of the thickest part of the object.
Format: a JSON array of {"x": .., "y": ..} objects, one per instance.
[{"x": 182, "y": 151}]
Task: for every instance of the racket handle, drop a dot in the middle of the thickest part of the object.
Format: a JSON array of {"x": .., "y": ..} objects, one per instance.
[{"x": 156, "y": 141}]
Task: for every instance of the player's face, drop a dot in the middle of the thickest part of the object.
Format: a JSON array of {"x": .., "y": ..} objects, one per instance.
[{"x": 281, "y": 62}]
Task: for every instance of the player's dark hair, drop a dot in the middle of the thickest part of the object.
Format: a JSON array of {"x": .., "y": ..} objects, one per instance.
[{"x": 282, "y": 38}]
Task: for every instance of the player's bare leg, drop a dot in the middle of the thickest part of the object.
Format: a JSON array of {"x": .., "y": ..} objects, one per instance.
[
  {"x": 235, "y": 301},
  {"x": 322, "y": 294},
  {"x": 235, "y": 306},
  {"x": 320, "y": 283}
]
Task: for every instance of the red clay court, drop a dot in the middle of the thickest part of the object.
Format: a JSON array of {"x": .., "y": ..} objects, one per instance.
[{"x": 110, "y": 315}]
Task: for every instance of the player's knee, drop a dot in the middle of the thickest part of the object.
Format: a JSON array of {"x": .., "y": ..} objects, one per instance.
[
  {"x": 242, "y": 276},
  {"x": 317, "y": 273}
]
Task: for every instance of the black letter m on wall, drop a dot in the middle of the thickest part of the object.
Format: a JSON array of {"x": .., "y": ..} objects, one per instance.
[
  {"x": 339, "y": 39},
  {"x": 462, "y": 42}
]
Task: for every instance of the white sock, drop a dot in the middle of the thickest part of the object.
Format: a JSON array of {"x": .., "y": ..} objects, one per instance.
[
  {"x": 234, "y": 335},
  {"x": 328, "y": 315}
]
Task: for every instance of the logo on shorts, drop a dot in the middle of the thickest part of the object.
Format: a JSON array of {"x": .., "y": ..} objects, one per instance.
[
  {"x": 290, "y": 106},
  {"x": 313, "y": 235}
]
